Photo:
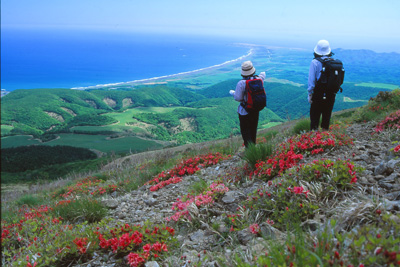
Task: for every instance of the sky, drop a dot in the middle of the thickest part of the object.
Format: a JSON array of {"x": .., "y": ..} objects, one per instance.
[{"x": 351, "y": 24}]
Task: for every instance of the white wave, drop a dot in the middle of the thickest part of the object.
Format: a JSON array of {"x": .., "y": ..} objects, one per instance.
[{"x": 166, "y": 76}]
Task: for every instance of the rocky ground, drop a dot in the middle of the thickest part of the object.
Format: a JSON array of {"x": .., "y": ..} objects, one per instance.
[{"x": 380, "y": 181}]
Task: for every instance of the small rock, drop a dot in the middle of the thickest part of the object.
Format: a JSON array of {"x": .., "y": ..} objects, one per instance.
[
  {"x": 197, "y": 236},
  {"x": 391, "y": 205},
  {"x": 151, "y": 264},
  {"x": 363, "y": 157},
  {"x": 393, "y": 163},
  {"x": 150, "y": 202},
  {"x": 374, "y": 153},
  {"x": 258, "y": 249},
  {"x": 393, "y": 195},
  {"x": 229, "y": 197},
  {"x": 380, "y": 169},
  {"x": 379, "y": 177},
  {"x": 110, "y": 203},
  {"x": 390, "y": 179},
  {"x": 121, "y": 215},
  {"x": 371, "y": 179},
  {"x": 386, "y": 185},
  {"x": 245, "y": 236}
]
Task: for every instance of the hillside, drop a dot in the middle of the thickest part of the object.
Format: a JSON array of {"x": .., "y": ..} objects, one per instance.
[{"x": 313, "y": 198}]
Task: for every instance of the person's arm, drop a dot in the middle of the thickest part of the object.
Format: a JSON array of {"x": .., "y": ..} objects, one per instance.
[
  {"x": 262, "y": 75},
  {"x": 239, "y": 92},
  {"x": 311, "y": 78}
]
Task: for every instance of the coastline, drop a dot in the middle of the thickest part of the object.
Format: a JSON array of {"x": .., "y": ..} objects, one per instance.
[{"x": 153, "y": 79}]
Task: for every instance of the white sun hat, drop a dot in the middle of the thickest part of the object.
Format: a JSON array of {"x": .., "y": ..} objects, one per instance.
[
  {"x": 322, "y": 48},
  {"x": 247, "y": 68}
]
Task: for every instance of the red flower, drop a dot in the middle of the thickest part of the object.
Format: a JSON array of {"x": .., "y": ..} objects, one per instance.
[
  {"x": 147, "y": 248},
  {"x": 134, "y": 259}
]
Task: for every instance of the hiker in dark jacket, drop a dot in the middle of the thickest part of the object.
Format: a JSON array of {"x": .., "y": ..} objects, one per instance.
[
  {"x": 248, "y": 121},
  {"x": 321, "y": 103}
]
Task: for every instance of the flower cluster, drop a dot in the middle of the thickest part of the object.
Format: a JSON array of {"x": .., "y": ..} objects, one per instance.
[
  {"x": 396, "y": 149},
  {"x": 390, "y": 122},
  {"x": 173, "y": 180},
  {"x": 281, "y": 201},
  {"x": 204, "y": 199},
  {"x": 121, "y": 242},
  {"x": 254, "y": 228},
  {"x": 186, "y": 167},
  {"x": 139, "y": 243},
  {"x": 290, "y": 152},
  {"x": 35, "y": 234},
  {"x": 135, "y": 259},
  {"x": 81, "y": 244},
  {"x": 376, "y": 108},
  {"x": 82, "y": 187},
  {"x": 102, "y": 190}
]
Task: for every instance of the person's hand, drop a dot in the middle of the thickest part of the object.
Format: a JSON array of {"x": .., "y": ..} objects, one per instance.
[
  {"x": 310, "y": 99},
  {"x": 231, "y": 92}
]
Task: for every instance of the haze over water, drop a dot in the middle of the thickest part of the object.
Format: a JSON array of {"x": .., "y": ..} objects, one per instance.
[{"x": 66, "y": 59}]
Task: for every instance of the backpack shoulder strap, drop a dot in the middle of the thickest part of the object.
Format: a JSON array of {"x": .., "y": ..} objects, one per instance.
[{"x": 320, "y": 59}]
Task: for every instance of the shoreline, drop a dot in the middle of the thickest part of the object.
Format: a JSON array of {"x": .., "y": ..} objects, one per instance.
[{"x": 249, "y": 53}]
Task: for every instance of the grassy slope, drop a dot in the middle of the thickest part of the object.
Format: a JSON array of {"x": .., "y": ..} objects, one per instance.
[{"x": 298, "y": 240}]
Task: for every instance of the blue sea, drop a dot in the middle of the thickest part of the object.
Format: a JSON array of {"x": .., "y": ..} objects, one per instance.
[{"x": 50, "y": 58}]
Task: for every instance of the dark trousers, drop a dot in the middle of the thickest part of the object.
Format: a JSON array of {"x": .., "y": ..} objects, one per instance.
[
  {"x": 321, "y": 106},
  {"x": 248, "y": 127}
]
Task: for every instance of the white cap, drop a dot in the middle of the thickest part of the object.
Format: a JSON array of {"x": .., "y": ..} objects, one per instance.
[
  {"x": 322, "y": 48},
  {"x": 247, "y": 68}
]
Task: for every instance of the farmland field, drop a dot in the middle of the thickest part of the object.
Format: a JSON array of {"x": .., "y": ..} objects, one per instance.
[
  {"x": 18, "y": 140},
  {"x": 104, "y": 144},
  {"x": 379, "y": 85},
  {"x": 99, "y": 142}
]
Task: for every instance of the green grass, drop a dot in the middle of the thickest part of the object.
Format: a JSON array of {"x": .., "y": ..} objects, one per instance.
[
  {"x": 269, "y": 125},
  {"x": 18, "y": 140},
  {"x": 6, "y": 129},
  {"x": 81, "y": 210},
  {"x": 349, "y": 100},
  {"x": 379, "y": 85},
  {"x": 98, "y": 142},
  {"x": 302, "y": 125},
  {"x": 255, "y": 153},
  {"x": 198, "y": 187},
  {"x": 30, "y": 200}
]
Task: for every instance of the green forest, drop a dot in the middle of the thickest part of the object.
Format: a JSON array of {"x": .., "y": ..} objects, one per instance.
[{"x": 20, "y": 159}]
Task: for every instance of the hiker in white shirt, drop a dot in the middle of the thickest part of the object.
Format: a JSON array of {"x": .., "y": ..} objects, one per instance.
[{"x": 321, "y": 104}]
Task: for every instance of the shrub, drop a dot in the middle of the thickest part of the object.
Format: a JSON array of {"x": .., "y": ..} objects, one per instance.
[
  {"x": 301, "y": 126},
  {"x": 282, "y": 202},
  {"x": 390, "y": 122},
  {"x": 198, "y": 187},
  {"x": 80, "y": 210},
  {"x": 30, "y": 200},
  {"x": 292, "y": 150},
  {"x": 255, "y": 153},
  {"x": 378, "y": 107},
  {"x": 339, "y": 173}
]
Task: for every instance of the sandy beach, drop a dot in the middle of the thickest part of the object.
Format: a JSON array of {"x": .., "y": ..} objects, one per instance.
[{"x": 154, "y": 79}]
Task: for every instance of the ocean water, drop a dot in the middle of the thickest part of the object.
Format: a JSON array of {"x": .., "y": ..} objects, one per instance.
[{"x": 49, "y": 58}]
